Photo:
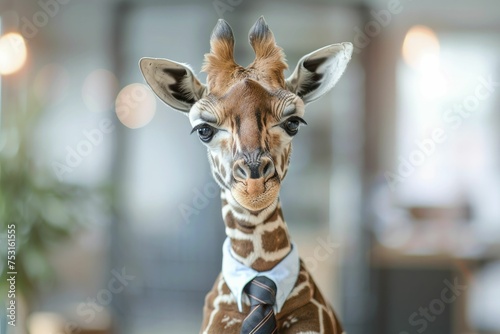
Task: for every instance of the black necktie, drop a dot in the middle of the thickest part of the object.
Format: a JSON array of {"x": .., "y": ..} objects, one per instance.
[{"x": 261, "y": 320}]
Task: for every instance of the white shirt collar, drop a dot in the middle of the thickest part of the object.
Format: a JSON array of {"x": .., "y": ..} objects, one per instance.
[{"x": 237, "y": 275}]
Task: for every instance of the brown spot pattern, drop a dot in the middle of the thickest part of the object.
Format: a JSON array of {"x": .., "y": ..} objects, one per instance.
[
  {"x": 275, "y": 240},
  {"x": 233, "y": 223},
  {"x": 242, "y": 248},
  {"x": 273, "y": 216}
]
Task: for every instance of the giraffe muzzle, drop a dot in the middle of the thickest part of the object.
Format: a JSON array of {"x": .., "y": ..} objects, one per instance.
[
  {"x": 244, "y": 171},
  {"x": 257, "y": 185}
]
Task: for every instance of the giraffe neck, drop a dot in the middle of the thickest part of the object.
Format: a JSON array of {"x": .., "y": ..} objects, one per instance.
[{"x": 258, "y": 240}]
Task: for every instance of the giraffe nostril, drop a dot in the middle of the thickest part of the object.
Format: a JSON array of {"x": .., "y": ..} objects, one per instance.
[
  {"x": 268, "y": 169},
  {"x": 242, "y": 172}
]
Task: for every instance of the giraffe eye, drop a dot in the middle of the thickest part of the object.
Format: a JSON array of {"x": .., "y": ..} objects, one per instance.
[
  {"x": 291, "y": 125},
  {"x": 205, "y": 132}
]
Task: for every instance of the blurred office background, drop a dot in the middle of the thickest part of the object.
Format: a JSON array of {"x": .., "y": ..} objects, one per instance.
[{"x": 393, "y": 195}]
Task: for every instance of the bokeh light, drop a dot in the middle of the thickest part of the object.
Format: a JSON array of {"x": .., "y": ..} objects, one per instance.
[
  {"x": 13, "y": 53},
  {"x": 99, "y": 90},
  {"x": 44, "y": 322},
  {"x": 135, "y": 105},
  {"x": 421, "y": 47},
  {"x": 421, "y": 51}
]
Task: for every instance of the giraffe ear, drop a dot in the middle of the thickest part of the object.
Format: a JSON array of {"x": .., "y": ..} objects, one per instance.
[
  {"x": 174, "y": 83},
  {"x": 317, "y": 72}
]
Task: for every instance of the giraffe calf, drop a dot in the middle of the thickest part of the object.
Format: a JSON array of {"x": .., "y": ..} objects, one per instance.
[{"x": 247, "y": 117}]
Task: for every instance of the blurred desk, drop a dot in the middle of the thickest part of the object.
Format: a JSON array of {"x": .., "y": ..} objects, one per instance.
[
  {"x": 434, "y": 248},
  {"x": 382, "y": 256}
]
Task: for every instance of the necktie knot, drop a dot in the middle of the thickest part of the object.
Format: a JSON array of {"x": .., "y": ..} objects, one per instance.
[{"x": 261, "y": 290}]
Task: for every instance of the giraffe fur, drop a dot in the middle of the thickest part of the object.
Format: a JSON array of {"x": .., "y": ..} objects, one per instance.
[{"x": 247, "y": 117}]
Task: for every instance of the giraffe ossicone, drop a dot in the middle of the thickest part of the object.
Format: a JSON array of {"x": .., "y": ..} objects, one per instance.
[{"x": 247, "y": 117}]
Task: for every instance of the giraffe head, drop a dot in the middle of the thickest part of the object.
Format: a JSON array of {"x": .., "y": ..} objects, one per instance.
[{"x": 247, "y": 116}]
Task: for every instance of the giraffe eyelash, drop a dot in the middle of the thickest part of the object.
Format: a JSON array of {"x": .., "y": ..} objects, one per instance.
[
  {"x": 297, "y": 118},
  {"x": 201, "y": 125}
]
